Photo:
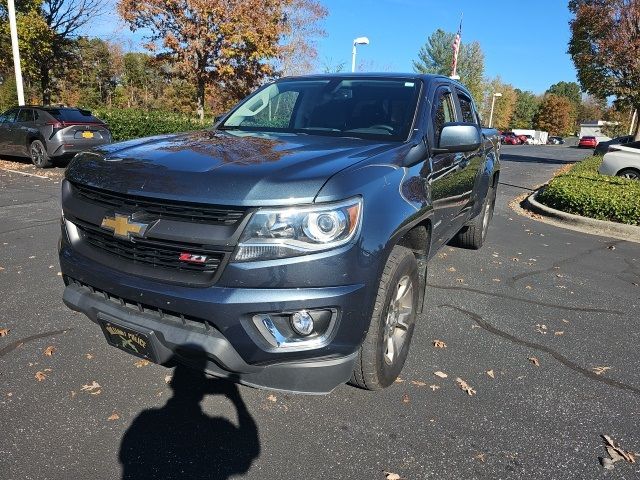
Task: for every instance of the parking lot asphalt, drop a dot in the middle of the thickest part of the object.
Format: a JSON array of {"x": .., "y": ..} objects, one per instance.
[{"x": 542, "y": 323}]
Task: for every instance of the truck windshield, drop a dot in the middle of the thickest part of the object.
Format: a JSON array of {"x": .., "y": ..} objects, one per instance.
[{"x": 342, "y": 107}]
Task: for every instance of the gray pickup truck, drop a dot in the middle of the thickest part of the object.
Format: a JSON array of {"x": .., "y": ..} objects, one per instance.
[{"x": 286, "y": 247}]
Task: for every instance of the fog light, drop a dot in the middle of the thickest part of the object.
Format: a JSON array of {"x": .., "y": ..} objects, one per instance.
[{"x": 302, "y": 323}]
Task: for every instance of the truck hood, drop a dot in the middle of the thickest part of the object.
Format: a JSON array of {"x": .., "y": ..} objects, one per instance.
[{"x": 227, "y": 168}]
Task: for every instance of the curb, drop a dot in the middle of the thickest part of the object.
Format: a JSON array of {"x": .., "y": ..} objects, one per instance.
[{"x": 588, "y": 225}]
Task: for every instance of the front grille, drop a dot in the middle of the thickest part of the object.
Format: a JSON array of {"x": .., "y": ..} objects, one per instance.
[
  {"x": 167, "y": 209},
  {"x": 149, "y": 252}
]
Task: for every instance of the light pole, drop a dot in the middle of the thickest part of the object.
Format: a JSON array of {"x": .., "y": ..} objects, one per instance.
[
  {"x": 493, "y": 102},
  {"x": 357, "y": 41},
  {"x": 16, "y": 50}
]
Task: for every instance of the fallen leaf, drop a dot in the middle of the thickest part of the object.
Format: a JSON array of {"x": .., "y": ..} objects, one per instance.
[
  {"x": 439, "y": 344},
  {"x": 480, "y": 456},
  {"x": 515, "y": 259},
  {"x": 541, "y": 328},
  {"x": 398, "y": 380},
  {"x": 600, "y": 370},
  {"x": 418, "y": 383},
  {"x": 558, "y": 333},
  {"x": 88, "y": 355},
  {"x": 440, "y": 374},
  {"x": 496, "y": 279},
  {"x": 113, "y": 416},
  {"x": 611, "y": 247},
  {"x": 491, "y": 374},
  {"x": 49, "y": 350},
  {"x": 59, "y": 274},
  {"x": 4, "y": 332},
  {"x": 434, "y": 387},
  {"x": 405, "y": 398},
  {"x": 40, "y": 376},
  {"x": 93, "y": 389},
  {"x": 616, "y": 452},
  {"x": 272, "y": 398},
  {"x": 535, "y": 361},
  {"x": 528, "y": 287},
  {"x": 565, "y": 321},
  {"x": 141, "y": 363},
  {"x": 73, "y": 393},
  {"x": 465, "y": 387},
  {"x": 167, "y": 378},
  {"x": 451, "y": 269},
  {"x": 391, "y": 476},
  {"x": 460, "y": 280}
]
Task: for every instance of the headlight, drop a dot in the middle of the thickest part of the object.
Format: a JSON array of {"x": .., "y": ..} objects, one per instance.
[{"x": 287, "y": 232}]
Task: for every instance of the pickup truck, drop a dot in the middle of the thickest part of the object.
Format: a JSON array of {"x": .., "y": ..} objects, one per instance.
[{"x": 286, "y": 247}]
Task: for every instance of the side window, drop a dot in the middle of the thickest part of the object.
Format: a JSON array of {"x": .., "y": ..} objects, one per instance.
[
  {"x": 25, "y": 115},
  {"x": 444, "y": 113},
  {"x": 10, "y": 116},
  {"x": 466, "y": 107}
]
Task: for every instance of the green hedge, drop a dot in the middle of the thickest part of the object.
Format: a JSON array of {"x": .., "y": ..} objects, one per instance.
[
  {"x": 134, "y": 123},
  {"x": 583, "y": 191}
]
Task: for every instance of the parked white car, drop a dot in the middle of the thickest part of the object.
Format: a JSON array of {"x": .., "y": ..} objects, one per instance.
[{"x": 622, "y": 161}]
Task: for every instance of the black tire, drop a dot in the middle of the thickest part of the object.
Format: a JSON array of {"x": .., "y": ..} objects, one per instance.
[
  {"x": 377, "y": 366},
  {"x": 630, "y": 173},
  {"x": 473, "y": 235},
  {"x": 39, "y": 156}
]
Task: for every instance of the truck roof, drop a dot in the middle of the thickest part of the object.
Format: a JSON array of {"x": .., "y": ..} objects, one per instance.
[{"x": 422, "y": 76}]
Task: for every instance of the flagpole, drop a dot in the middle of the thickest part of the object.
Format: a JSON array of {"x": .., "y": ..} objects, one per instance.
[{"x": 456, "y": 49}]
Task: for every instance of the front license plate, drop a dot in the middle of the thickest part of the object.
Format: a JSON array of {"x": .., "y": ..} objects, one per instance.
[
  {"x": 86, "y": 134},
  {"x": 128, "y": 340}
]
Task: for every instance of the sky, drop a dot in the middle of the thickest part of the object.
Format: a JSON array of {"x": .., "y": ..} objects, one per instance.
[{"x": 524, "y": 42}]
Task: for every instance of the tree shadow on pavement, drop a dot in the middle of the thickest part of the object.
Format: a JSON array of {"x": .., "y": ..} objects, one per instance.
[
  {"x": 180, "y": 441},
  {"x": 515, "y": 157}
]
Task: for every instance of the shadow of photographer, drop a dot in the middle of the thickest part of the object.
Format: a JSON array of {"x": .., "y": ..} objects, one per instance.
[{"x": 181, "y": 441}]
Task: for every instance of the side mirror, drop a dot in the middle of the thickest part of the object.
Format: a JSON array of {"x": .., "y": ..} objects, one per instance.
[{"x": 459, "y": 137}]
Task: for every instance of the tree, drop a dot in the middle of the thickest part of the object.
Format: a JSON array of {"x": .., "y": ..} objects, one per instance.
[
  {"x": 504, "y": 106},
  {"x": 436, "y": 57},
  {"x": 298, "y": 53},
  {"x": 591, "y": 108},
  {"x": 605, "y": 47},
  {"x": 231, "y": 43},
  {"x": 525, "y": 109},
  {"x": 569, "y": 90},
  {"x": 555, "y": 115}
]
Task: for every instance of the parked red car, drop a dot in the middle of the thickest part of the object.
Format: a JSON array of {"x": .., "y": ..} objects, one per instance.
[
  {"x": 588, "y": 142},
  {"x": 510, "y": 138}
]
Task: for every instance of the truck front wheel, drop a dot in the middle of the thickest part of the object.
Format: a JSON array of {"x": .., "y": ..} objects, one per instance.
[{"x": 385, "y": 348}]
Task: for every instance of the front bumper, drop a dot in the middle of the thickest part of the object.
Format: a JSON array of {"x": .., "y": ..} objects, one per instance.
[
  {"x": 217, "y": 320},
  {"x": 174, "y": 343}
]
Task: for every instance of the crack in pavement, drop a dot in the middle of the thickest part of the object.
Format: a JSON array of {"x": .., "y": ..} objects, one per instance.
[
  {"x": 526, "y": 300},
  {"x": 516, "y": 278},
  {"x": 40, "y": 224},
  {"x": 482, "y": 323},
  {"x": 12, "y": 346}
]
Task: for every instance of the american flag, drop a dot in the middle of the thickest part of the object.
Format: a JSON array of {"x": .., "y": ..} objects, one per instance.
[{"x": 456, "y": 49}]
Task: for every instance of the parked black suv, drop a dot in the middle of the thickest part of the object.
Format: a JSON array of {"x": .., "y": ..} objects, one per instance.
[
  {"x": 290, "y": 242},
  {"x": 46, "y": 133}
]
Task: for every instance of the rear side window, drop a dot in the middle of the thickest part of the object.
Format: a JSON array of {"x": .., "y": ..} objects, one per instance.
[
  {"x": 466, "y": 107},
  {"x": 72, "y": 115}
]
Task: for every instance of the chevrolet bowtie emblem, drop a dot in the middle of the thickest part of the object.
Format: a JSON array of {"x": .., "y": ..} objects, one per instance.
[{"x": 123, "y": 227}]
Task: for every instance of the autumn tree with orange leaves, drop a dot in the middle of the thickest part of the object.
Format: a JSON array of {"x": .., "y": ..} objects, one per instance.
[
  {"x": 233, "y": 44},
  {"x": 605, "y": 47}
]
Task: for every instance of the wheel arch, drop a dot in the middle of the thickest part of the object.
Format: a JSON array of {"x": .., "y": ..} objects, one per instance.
[{"x": 418, "y": 239}]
